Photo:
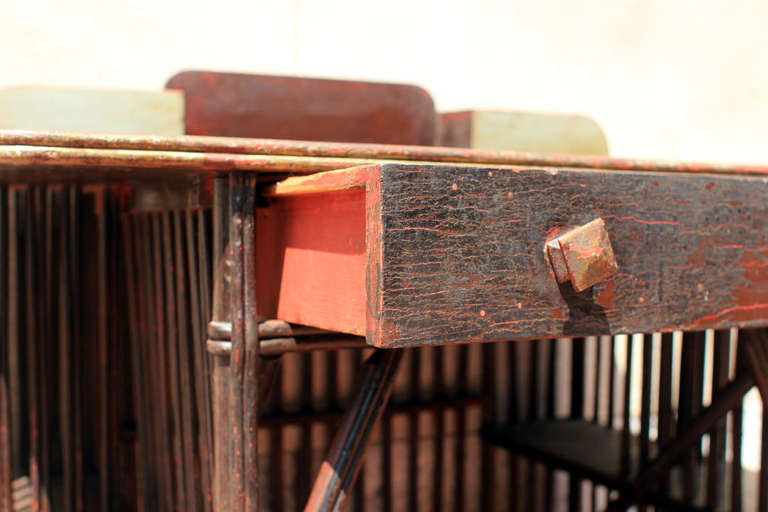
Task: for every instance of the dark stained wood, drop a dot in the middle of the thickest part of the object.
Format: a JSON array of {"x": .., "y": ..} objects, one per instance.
[
  {"x": 488, "y": 466},
  {"x": 577, "y": 409},
  {"x": 717, "y": 436},
  {"x": 728, "y": 398},
  {"x": 5, "y": 408},
  {"x": 340, "y": 467},
  {"x": 454, "y": 246},
  {"x": 235, "y": 475},
  {"x": 570, "y": 444},
  {"x": 221, "y": 309},
  {"x": 620, "y": 463},
  {"x": 137, "y": 379},
  {"x": 247, "y": 105},
  {"x": 252, "y": 373},
  {"x": 32, "y": 340},
  {"x": 464, "y": 247},
  {"x": 736, "y": 470},
  {"x": 646, "y": 390},
  {"x": 626, "y": 435}
]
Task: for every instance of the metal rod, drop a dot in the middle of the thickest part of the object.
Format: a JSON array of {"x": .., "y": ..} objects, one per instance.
[
  {"x": 278, "y": 346},
  {"x": 222, "y": 331},
  {"x": 339, "y": 469},
  {"x": 22, "y": 140}
]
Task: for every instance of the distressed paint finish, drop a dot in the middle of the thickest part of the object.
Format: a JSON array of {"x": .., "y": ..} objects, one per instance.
[
  {"x": 458, "y": 254},
  {"x": 464, "y": 259},
  {"x": 583, "y": 255},
  {"x": 199, "y": 154},
  {"x": 246, "y": 105}
]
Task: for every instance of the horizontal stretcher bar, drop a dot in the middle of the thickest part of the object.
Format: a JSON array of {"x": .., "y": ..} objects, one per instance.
[{"x": 348, "y": 154}]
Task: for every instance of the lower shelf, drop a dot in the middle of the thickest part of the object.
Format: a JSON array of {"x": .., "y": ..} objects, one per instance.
[{"x": 610, "y": 458}]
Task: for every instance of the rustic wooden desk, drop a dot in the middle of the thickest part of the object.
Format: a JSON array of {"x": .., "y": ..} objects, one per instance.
[{"x": 389, "y": 246}]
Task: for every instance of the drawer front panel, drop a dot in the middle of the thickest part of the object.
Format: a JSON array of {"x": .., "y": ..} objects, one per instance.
[{"x": 463, "y": 253}]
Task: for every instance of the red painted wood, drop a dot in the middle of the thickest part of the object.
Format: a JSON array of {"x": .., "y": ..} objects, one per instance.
[
  {"x": 312, "y": 260},
  {"x": 446, "y": 254},
  {"x": 246, "y": 105}
]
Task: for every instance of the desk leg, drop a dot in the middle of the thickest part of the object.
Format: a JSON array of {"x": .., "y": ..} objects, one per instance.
[
  {"x": 340, "y": 467},
  {"x": 235, "y": 375}
]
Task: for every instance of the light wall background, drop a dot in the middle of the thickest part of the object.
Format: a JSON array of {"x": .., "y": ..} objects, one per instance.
[{"x": 665, "y": 78}]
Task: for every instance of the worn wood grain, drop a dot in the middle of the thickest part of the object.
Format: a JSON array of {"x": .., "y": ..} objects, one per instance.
[
  {"x": 449, "y": 254},
  {"x": 461, "y": 253},
  {"x": 463, "y": 256}
]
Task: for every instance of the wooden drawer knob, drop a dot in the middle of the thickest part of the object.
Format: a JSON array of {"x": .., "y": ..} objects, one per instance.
[{"x": 583, "y": 255}]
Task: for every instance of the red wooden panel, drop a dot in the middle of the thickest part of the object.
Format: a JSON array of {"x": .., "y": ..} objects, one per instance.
[
  {"x": 457, "y": 254},
  {"x": 245, "y": 105},
  {"x": 312, "y": 260}
]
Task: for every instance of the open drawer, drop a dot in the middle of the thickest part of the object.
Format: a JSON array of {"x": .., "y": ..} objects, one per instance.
[{"x": 409, "y": 254}]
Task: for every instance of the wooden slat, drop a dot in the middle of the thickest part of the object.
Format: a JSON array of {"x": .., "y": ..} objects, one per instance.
[
  {"x": 199, "y": 372},
  {"x": 5, "y": 407},
  {"x": 646, "y": 392},
  {"x": 75, "y": 200},
  {"x": 626, "y": 432},
  {"x": 156, "y": 357},
  {"x": 171, "y": 349},
  {"x": 718, "y": 433},
  {"x": 220, "y": 370},
  {"x": 138, "y": 379},
  {"x": 30, "y": 339},
  {"x": 205, "y": 275},
  {"x": 488, "y": 468},
  {"x": 145, "y": 336},
  {"x": 578, "y": 388}
]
